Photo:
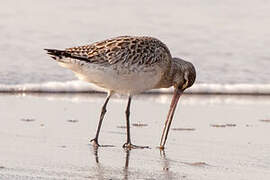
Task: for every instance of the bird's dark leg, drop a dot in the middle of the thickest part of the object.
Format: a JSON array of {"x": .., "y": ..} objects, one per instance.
[
  {"x": 128, "y": 144},
  {"x": 127, "y": 119},
  {"x": 103, "y": 111}
]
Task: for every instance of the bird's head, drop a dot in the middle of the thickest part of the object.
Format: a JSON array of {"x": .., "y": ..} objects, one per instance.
[{"x": 183, "y": 76}]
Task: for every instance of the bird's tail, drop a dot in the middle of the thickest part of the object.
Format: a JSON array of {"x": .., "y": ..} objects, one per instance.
[
  {"x": 64, "y": 56},
  {"x": 57, "y": 55}
]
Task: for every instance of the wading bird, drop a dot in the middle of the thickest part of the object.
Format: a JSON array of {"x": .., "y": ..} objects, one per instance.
[{"x": 128, "y": 65}]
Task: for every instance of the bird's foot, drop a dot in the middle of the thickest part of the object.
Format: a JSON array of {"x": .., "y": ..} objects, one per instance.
[
  {"x": 161, "y": 147},
  {"x": 96, "y": 145},
  {"x": 131, "y": 146},
  {"x": 95, "y": 142}
]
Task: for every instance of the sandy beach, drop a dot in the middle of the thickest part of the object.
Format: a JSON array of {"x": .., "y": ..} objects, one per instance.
[
  {"x": 221, "y": 126},
  {"x": 46, "y": 136}
]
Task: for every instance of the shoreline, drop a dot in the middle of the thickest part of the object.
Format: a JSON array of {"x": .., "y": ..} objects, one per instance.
[
  {"x": 77, "y": 86},
  {"x": 144, "y": 93}
]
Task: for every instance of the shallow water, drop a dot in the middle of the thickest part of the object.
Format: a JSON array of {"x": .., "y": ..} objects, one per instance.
[
  {"x": 50, "y": 146},
  {"x": 227, "y": 41}
]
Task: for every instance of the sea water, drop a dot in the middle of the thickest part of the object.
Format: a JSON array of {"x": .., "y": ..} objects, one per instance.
[{"x": 227, "y": 41}]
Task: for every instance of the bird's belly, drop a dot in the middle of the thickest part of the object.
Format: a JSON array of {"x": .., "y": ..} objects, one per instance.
[{"x": 123, "y": 80}]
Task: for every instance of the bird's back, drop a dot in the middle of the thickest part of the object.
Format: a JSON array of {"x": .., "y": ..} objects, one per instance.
[{"x": 140, "y": 61}]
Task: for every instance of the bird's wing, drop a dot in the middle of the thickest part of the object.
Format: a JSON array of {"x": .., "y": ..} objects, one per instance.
[{"x": 123, "y": 49}]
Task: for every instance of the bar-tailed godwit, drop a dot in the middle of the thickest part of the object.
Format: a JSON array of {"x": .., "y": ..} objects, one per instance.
[{"x": 128, "y": 65}]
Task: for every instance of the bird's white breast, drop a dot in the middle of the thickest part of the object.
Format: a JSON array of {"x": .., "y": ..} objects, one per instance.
[{"x": 123, "y": 78}]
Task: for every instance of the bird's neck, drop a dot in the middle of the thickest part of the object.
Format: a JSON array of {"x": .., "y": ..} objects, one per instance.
[{"x": 168, "y": 76}]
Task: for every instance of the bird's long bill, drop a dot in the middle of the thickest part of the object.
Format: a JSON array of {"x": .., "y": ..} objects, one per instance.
[{"x": 176, "y": 96}]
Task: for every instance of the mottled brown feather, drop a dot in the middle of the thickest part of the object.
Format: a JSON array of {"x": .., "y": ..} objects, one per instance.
[{"x": 123, "y": 49}]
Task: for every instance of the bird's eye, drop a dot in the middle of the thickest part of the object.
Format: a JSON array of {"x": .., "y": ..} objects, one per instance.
[
  {"x": 185, "y": 82},
  {"x": 184, "y": 86}
]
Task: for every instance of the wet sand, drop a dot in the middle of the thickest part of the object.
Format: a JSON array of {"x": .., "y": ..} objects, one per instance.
[{"x": 213, "y": 137}]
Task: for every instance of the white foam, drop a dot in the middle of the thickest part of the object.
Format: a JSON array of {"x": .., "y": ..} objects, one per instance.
[
  {"x": 256, "y": 89},
  {"x": 80, "y": 86},
  {"x": 68, "y": 87}
]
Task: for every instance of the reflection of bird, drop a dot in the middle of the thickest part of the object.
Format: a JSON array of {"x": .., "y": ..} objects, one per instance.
[
  {"x": 100, "y": 170},
  {"x": 128, "y": 65},
  {"x": 126, "y": 172}
]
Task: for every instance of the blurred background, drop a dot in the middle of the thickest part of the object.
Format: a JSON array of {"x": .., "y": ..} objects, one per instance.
[{"x": 228, "y": 41}]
